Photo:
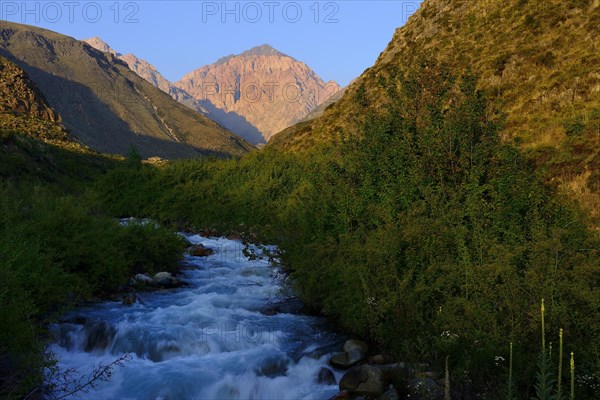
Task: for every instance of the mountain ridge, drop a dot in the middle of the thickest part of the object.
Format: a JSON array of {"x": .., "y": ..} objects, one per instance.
[
  {"x": 106, "y": 105},
  {"x": 248, "y": 121}
]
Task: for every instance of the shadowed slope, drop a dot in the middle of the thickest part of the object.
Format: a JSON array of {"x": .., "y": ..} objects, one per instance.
[{"x": 106, "y": 105}]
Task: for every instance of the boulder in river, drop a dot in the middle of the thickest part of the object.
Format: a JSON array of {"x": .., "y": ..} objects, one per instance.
[
  {"x": 143, "y": 278},
  {"x": 165, "y": 279},
  {"x": 129, "y": 299},
  {"x": 273, "y": 367},
  {"x": 347, "y": 359},
  {"x": 98, "y": 336},
  {"x": 198, "y": 250},
  {"x": 379, "y": 359},
  {"x": 366, "y": 380},
  {"x": 396, "y": 371},
  {"x": 356, "y": 344},
  {"x": 292, "y": 305},
  {"x": 234, "y": 236},
  {"x": 325, "y": 377}
]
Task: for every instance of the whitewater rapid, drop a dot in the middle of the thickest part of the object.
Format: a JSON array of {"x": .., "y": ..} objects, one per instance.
[{"x": 210, "y": 340}]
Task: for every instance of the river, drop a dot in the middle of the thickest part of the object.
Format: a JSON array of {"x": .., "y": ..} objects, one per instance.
[{"x": 210, "y": 340}]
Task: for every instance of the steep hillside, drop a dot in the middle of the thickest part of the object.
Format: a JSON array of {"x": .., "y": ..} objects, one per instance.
[
  {"x": 24, "y": 109},
  {"x": 538, "y": 61},
  {"x": 33, "y": 142},
  {"x": 320, "y": 110},
  {"x": 141, "y": 67},
  {"x": 260, "y": 91},
  {"x": 107, "y": 106},
  {"x": 149, "y": 72}
]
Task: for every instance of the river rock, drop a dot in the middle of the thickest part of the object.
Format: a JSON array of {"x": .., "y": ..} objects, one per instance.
[
  {"x": 199, "y": 250},
  {"x": 165, "y": 279},
  {"x": 288, "y": 306},
  {"x": 98, "y": 336},
  {"x": 356, "y": 344},
  {"x": 234, "y": 236},
  {"x": 163, "y": 351},
  {"x": 129, "y": 299},
  {"x": 143, "y": 278},
  {"x": 315, "y": 355},
  {"x": 379, "y": 359},
  {"x": 365, "y": 380},
  {"x": 273, "y": 367},
  {"x": 347, "y": 359},
  {"x": 396, "y": 371},
  {"x": 325, "y": 377}
]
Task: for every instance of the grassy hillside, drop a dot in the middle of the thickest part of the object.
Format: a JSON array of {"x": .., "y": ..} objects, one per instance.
[
  {"x": 538, "y": 61},
  {"x": 106, "y": 105}
]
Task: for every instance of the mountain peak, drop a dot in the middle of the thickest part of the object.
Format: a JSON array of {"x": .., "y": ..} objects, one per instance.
[
  {"x": 99, "y": 44},
  {"x": 262, "y": 50},
  {"x": 258, "y": 92}
]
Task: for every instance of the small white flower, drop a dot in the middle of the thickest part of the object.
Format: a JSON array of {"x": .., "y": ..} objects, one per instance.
[{"x": 371, "y": 301}]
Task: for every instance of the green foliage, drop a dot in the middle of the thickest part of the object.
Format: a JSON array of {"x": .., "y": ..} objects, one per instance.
[
  {"x": 547, "y": 59},
  {"x": 134, "y": 160},
  {"x": 574, "y": 126},
  {"x": 361, "y": 97},
  {"x": 544, "y": 386}
]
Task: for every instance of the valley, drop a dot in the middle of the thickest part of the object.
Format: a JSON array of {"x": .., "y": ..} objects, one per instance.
[{"x": 441, "y": 211}]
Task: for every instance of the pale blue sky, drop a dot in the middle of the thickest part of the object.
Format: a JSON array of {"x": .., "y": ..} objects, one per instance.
[{"x": 338, "y": 39}]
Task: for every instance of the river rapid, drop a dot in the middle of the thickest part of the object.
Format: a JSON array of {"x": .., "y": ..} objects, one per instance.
[{"x": 209, "y": 340}]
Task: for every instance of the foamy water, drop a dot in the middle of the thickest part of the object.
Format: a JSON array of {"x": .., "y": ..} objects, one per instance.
[{"x": 206, "y": 341}]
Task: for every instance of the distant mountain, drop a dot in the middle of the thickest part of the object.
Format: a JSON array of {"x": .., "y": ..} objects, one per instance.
[
  {"x": 317, "y": 112},
  {"x": 258, "y": 92},
  {"x": 254, "y": 94},
  {"x": 537, "y": 60},
  {"x": 101, "y": 45},
  {"x": 226, "y": 91},
  {"x": 105, "y": 105},
  {"x": 141, "y": 67},
  {"x": 149, "y": 72}
]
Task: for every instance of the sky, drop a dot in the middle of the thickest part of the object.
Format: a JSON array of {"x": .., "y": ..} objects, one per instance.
[{"x": 337, "y": 39}]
